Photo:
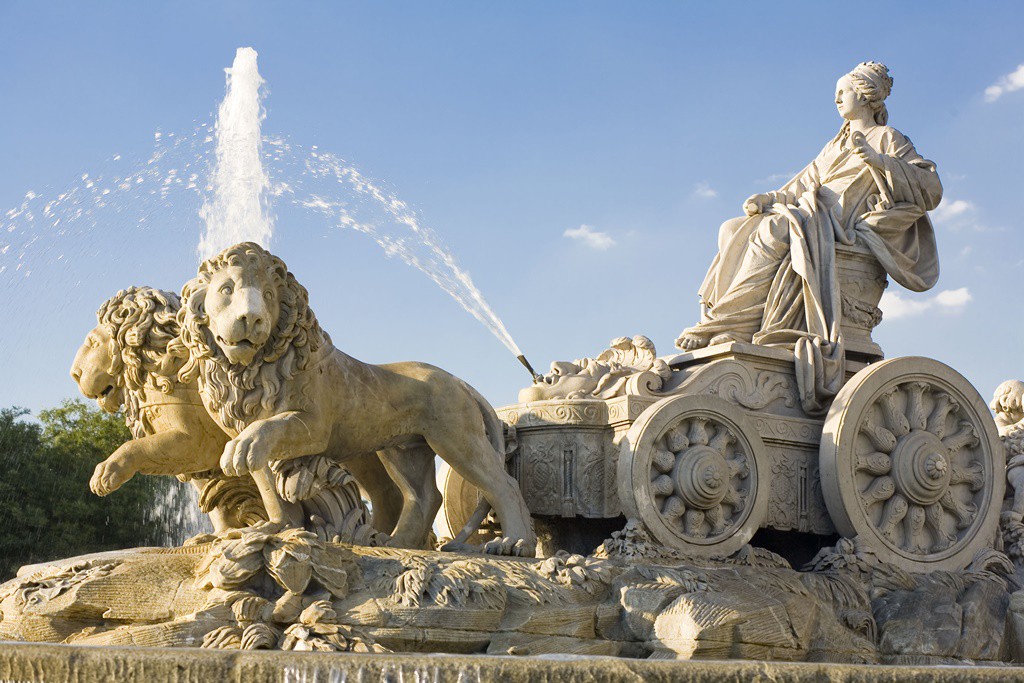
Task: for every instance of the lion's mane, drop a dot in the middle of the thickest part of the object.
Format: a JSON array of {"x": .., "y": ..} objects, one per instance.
[
  {"x": 240, "y": 391},
  {"x": 142, "y": 323}
]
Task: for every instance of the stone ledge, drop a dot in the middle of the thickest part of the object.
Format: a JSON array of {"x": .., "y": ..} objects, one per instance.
[{"x": 36, "y": 663}]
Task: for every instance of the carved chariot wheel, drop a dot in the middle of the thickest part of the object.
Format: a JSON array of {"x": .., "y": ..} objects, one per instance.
[
  {"x": 693, "y": 470},
  {"x": 460, "y": 500},
  {"x": 911, "y": 463}
]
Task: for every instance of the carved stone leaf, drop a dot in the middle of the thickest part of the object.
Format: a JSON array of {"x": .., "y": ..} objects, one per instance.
[{"x": 290, "y": 572}]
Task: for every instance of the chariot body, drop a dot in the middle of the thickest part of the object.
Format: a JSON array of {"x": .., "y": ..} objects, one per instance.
[{"x": 906, "y": 459}]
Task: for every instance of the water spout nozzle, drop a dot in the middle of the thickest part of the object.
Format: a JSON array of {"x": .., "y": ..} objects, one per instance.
[{"x": 536, "y": 377}]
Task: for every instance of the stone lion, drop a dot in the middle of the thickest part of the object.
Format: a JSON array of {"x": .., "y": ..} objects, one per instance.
[
  {"x": 270, "y": 376},
  {"x": 132, "y": 358},
  {"x": 129, "y": 359}
]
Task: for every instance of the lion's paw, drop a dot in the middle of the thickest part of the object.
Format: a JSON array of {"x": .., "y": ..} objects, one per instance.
[
  {"x": 109, "y": 476},
  {"x": 244, "y": 454},
  {"x": 513, "y": 547},
  {"x": 509, "y": 547}
]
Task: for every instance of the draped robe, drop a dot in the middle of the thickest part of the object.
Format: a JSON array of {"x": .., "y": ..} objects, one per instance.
[{"x": 774, "y": 279}]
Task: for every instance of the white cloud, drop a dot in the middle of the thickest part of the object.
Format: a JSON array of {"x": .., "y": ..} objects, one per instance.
[
  {"x": 895, "y": 306},
  {"x": 1008, "y": 83},
  {"x": 704, "y": 190},
  {"x": 948, "y": 209},
  {"x": 590, "y": 237},
  {"x": 959, "y": 214},
  {"x": 774, "y": 180}
]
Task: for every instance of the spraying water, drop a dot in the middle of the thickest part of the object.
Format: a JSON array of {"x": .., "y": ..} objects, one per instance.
[
  {"x": 237, "y": 211},
  {"x": 325, "y": 184}
]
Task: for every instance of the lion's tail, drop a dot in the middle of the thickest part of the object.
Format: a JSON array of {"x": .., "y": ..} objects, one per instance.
[{"x": 495, "y": 430}]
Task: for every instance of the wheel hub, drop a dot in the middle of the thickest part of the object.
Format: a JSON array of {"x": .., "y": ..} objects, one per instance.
[
  {"x": 921, "y": 467},
  {"x": 702, "y": 477}
]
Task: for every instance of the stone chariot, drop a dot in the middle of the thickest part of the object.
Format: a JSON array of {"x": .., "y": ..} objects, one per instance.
[{"x": 907, "y": 458}]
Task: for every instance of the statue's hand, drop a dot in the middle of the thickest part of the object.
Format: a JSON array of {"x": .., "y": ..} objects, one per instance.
[
  {"x": 859, "y": 145},
  {"x": 249, "y": 451},
  {"x": 756, "y": 204}
]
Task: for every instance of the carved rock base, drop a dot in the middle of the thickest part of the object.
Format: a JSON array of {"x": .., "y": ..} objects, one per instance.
[{"x": 751, "y": 606}]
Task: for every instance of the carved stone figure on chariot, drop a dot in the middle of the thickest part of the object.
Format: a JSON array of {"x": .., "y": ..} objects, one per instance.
[
  {"x": 781, "y": 413},
  {"x": 774, "y": 281}
]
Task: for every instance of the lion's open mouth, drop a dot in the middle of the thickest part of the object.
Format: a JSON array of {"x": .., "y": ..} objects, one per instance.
[
  {"x": 106, "y": 392},
  {"x": 240, "y": 344}
]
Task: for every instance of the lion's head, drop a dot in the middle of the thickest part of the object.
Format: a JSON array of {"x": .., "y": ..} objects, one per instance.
[
  {"x": 248, "y": 328},
  {"x": 129, "y": 349},
  {"x": 1008, "y": 402}
]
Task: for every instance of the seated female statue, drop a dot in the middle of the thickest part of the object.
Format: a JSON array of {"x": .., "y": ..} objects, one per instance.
[{"x": 774, "y": 279}]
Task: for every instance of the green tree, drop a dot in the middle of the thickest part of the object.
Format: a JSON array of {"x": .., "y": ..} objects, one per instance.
[{"x": 46, "y": 508}]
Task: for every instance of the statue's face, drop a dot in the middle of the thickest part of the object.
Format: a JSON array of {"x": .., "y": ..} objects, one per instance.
[
  {"x": 242, "y": 307},
  {"x": 849, "y": 102},
  {"x": 91, "y": 370}
]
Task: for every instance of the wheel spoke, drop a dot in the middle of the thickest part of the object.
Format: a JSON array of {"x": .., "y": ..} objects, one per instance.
[
  {"x": 699, "y": 431},
  {"x": 944, "y": 405},
  {"x": 892, "y": 514},
  {"x": 972, "y": 474},
  {"x": 915, "y": 405},
  {"x": 915, "y": 530},
  {"x": 966, "y": 435},
  {"x": 673, "y": 507},
  {"x": 722, "y": 440},
  {"x": 714, "y": 518},
  {"x": 876, "y": 464},
  {"x": 663, "y": 485},
  {"x": 880, "y": 489},
  {"x": 881, "y": 438},
  {"x": 663, "y": 460},
  {"x": 693, "y": 522},
  {"x": 676, "y": 439},
  {"x": 896, "y": 421},
  {"x": 936, "y": 520},
  {"x": 964, "y": 512}
]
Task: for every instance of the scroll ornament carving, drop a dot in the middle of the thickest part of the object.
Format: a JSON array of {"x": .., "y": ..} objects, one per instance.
[{"x": 754, "y": 393}]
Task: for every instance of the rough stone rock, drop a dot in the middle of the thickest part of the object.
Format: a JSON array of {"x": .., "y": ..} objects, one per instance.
[{"x": 945, "y": 618}]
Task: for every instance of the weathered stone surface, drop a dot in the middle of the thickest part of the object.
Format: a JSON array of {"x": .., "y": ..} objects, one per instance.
[
  {"x": 58, "y": 664},
  {"x": 944, "y": 618}
]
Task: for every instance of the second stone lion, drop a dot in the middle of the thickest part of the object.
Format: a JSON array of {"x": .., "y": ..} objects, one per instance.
[{"x": 272, "y": 379}]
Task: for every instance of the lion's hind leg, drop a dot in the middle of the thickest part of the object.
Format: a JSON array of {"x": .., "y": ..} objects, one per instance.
[
  {"x": 379, "y": 486},
  {"x": 412, "y": 468},
  {"x": 473, "y": 456}
]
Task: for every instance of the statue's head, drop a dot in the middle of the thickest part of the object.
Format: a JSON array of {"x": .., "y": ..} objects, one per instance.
[
  {"x": 245, "y": 307},
  {"x": 247, "y": 325},
  {"x": 238, "y": 295},
  {"x": 864, "y": 90},
  {"x": 1008, "y": 401},
  {"x": 128, "y": 348}
]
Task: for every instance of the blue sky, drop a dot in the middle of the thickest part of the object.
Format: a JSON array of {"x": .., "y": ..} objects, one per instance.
[{"x": 505, "y": 125}]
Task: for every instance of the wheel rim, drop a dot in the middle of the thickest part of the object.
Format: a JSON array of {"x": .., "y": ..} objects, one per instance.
[
  {"x": 689, "y": 471},
  {"x": 912, "y": 464}
]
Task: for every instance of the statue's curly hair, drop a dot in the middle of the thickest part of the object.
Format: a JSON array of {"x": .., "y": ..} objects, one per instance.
[
  {"x": 142, "y": 323},
  {"x": 240, "y": 391},
  {"x": 1008, "y": 399},
  {"x": 872, "y": 81}
]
